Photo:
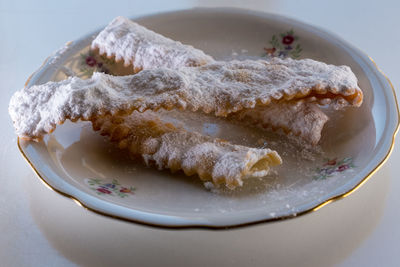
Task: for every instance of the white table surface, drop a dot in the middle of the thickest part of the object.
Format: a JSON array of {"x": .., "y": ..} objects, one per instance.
[{"x": 41, "y": 228}]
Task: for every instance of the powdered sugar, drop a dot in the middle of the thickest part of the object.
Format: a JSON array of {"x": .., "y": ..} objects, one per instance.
[
  {"x": 53, "y": 59},
  {"x": 219, "y": 87},
  {"x": 167, "y": 146},
  {"x": 143, "y": 48},
  {"x": 122, "y": 33},
  {"x": 302, "y": 118}
]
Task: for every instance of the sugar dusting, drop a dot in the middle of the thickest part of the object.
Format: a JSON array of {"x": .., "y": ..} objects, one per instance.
[
  {"x": 218, "y": 87},
  {"x": 142, "y": 48},
  {"x": 55, "y": 57},
  {"x": 295, "y": 152},
  {"x": 166, "y": 146}
]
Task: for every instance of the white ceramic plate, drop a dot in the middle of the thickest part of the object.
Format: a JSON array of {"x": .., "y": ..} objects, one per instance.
[{"x": 78, "y": 163}]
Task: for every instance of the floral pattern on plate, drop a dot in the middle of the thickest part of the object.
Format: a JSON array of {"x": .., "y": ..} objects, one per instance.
[
  {"x": 284, "y": 45},
  {"x": 333, "y": 166},
  {"x": 91, "y": 62},
  {"x": 111, "y": 188}
]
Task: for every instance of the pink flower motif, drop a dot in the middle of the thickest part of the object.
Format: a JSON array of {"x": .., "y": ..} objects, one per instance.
[
  {"x": 288, "y": 39},
  {"x": 103, "y": 190},
  {"x": 91, "y": 61},
  {"x": 343, "y": 167}
]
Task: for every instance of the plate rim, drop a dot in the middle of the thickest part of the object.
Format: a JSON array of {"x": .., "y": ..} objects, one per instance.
[{"x": 184, "y": 223}]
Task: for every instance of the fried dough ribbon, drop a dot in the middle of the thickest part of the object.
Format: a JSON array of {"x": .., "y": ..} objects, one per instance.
[
  {"x": 126, "y": 40},
  {"x": 166, "y": 146},
  {"x": 144, "y": 49},
  {"x": 219, "y": 87}
]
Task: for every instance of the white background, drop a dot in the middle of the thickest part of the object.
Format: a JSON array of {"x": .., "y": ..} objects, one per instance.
[{"x": 40, "y": 228}]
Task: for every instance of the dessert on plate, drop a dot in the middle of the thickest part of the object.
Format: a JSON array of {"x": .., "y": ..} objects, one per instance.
[
  {"x": 272, "y": 94},
  {"x": 140, "y": 48}
]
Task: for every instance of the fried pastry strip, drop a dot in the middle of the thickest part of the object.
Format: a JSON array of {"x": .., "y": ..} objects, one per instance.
[
  {"x": 220, "y": 87},
  {"x": 302, "y": 118},
  {"x": 123, "y": 39},
  {"x": 168, "y": 147},
  {"x": 144, "y": 49},
  {"x": 298, "y": 118}
]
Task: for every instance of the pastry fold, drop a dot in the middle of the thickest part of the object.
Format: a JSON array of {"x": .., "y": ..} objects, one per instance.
[
  {"x": 135, "y": 45},
  {"x": 218, "y": 87},
  {"x": 300, "y": 118},
  {"x": 166, "y": 146}
]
